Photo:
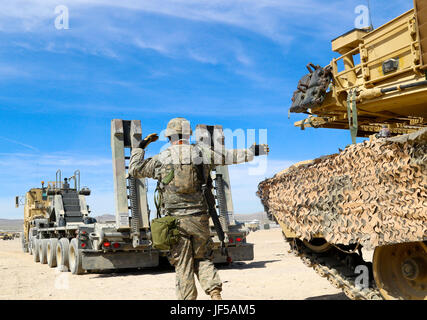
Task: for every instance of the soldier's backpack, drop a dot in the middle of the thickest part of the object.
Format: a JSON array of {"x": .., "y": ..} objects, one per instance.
[
  {"x": 177, "y": 178},
  {"x": 180, "y": 176},
  {"x": 164, "y": 232}
]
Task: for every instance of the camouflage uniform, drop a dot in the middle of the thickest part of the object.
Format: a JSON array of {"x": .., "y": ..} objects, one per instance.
[{"x": 193, "y": 254}]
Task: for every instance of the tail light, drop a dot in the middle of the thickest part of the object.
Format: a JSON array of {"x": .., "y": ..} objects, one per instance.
[
  {"x": 83, "y": 245},
  {"x": 230, "y": 240},
  {"x": 106, "y": 244},
  {"x": 239, "y": 239},
  {"x": 116, "y": 245},
  {"x": 83, "y": 236}
]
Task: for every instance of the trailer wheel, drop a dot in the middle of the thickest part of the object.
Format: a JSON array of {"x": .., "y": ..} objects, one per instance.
[
  {"x": 43, "y": 250},
  {"x": 30, "y": 241},
  {"x": 51, "y": 252},
  {"x": 24, "y": 245},
  {"x": 75, "y": 257},
  {"x": 30, "y": 245},
  {"x": 62, "y": 248},
  {"x": 36, "y": 252}
]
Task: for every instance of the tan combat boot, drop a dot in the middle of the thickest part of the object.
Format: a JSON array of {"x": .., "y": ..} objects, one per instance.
[{"x": 215, "y": 294}]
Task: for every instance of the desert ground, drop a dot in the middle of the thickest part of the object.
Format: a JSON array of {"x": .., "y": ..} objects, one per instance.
[{"x": 274, "y": 274}]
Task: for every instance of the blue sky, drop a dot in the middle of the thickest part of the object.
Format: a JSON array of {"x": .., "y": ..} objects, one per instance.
[{"x": 234, "y": 63}]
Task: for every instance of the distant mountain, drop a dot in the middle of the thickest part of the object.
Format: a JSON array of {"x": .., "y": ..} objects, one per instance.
[
  {"x": 261, "y": 216},
  {"x": 11, "y": 224},
  {"x": 17, "y": 224},
  {"x": 105, "y": 217}
]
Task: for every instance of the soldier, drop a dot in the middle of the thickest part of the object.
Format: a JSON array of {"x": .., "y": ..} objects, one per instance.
[
  {"x": 65, "y": 185},
  {"x": 181, "y": 196}
]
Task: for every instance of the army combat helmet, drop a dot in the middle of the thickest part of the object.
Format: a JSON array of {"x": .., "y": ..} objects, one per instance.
[{"x": 178, "y": 126}]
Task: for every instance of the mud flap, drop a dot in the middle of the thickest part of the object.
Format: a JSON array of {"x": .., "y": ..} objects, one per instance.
[
  {"x": 244, "y": 252},
  {"x": 119, "y": 260}
]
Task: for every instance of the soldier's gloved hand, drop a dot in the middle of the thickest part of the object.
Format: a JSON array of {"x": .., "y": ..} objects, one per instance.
[
  {"x": 260, "y": 149},
  {"x": 147, "y": 140}
]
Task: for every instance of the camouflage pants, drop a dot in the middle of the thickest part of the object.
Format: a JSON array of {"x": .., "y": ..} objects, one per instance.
[{"x": 192, "y": 255}]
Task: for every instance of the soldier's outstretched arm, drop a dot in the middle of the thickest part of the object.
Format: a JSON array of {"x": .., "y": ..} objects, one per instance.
[
  {"x": 236, "y": 156},
  {"x": 140, "y": 167}
]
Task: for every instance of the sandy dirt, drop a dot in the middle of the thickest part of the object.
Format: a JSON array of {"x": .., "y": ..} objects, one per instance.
[{"x": 274, "y": 274}]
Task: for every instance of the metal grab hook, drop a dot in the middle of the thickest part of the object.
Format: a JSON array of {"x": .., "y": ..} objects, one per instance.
[{"x": 311, "y": 65}]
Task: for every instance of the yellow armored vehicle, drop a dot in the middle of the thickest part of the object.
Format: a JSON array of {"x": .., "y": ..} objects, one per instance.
[
  {"x": 10, "y": 236},
  {"x": 36, "y": 206},
  {"x": 373, "y": 194},
  {"x": 6, "y": 236}
]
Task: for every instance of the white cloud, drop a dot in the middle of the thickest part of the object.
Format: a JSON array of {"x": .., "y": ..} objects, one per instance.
[
  {"x": 147, "y": 45},
  {"x": 203, "y": 58},
  {"x": 91, "y": 18},
  {"x": 19, "y": 143},
  {"x": 103, "y": 27},
  {"x": 8, "y": 71},
  {"x": 274, "y": 19},
  {"x": 260, "y": 16},
  {"x": 243, "y": 58}
]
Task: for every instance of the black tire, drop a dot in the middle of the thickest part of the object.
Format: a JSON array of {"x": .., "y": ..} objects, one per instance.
[
  {"x": 30, "y": 241},
  {"x": 23, "y": 243},
  {"x": 30, "y": 244},
  {"x": 36, "y": 253},
  {"x": 51, "y": 252},
  {"x": 75, "y": 257},
  {"x": 43, "y": 250},
  {"x": 62, "y": 248}
]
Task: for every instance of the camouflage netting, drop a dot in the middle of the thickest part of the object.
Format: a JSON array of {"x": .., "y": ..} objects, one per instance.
[{"x": 374, "y": 193}]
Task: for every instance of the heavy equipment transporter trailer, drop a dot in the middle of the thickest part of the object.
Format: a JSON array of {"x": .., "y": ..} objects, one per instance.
[{"x": 59, "y": 232}]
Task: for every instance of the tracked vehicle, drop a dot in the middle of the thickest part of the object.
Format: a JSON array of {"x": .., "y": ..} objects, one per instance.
[{"x": 373, "y": 194}]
